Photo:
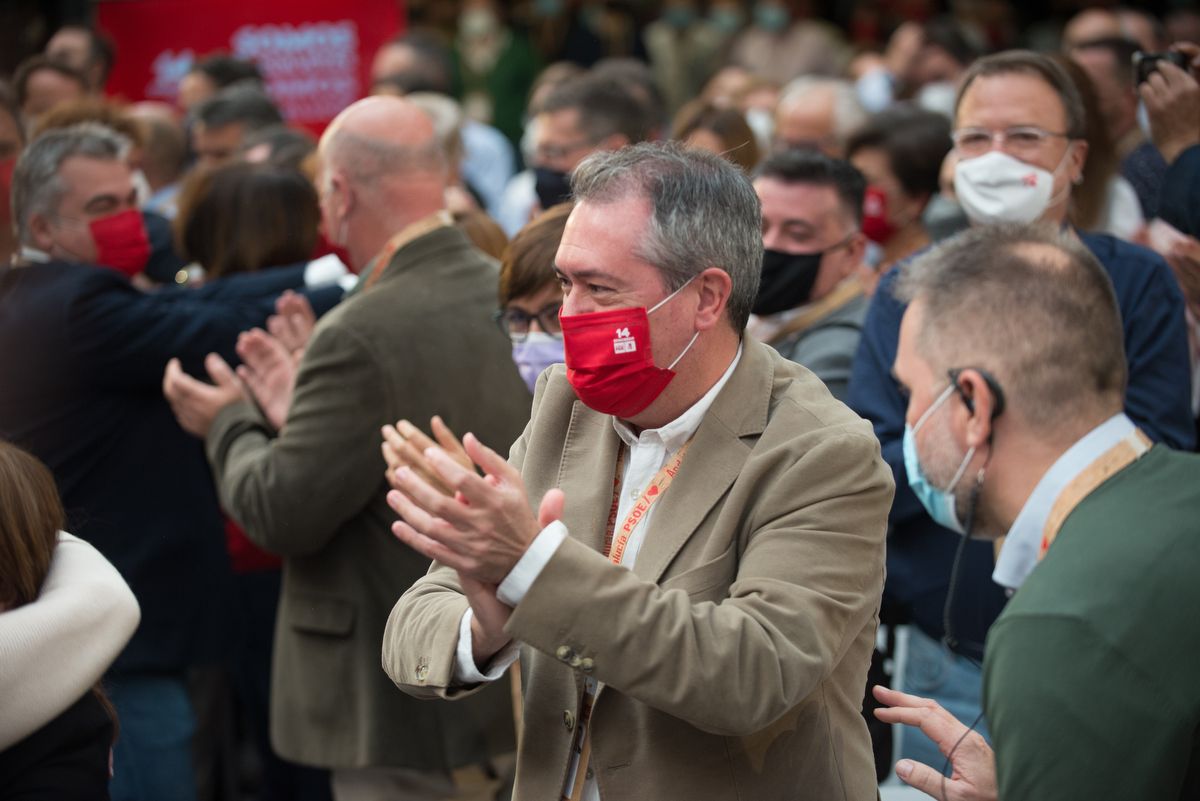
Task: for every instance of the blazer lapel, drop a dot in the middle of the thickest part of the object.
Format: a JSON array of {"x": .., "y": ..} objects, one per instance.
[
  {"x": 713, "y": 461},
  {"x": 586, "y": 474}
]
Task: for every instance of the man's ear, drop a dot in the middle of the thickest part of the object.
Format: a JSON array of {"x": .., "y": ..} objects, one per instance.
[
  {"x": 1078, "y": 159},
  {"x": 981, "y": 405},
  {"x": 715, "y": 288},
  {"x": 344, "y": 197},
  {"x": 856, "y": 251},
  {"x": 41, "y": 232}
]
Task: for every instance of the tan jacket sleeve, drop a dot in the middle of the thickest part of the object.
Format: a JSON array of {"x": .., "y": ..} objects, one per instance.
[{"x": 420, "y": 641}]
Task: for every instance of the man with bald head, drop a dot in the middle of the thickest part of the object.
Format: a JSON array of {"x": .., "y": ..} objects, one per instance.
[
  {"x": 415, "y": 340},
  {"x": 817, "y": 114}
]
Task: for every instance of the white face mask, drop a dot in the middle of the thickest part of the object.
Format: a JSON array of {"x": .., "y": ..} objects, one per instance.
[{"x": 998, "y": 188}]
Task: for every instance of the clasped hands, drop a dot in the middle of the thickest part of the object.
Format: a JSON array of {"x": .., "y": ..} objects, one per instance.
[
  {"x": 267, "y": 373},
  {"x": 479, "y": 525}
]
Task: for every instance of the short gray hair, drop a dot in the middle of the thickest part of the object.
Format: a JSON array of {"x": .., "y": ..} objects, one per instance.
[
  {"x": 848, "y": 112},
  {"x": 1031, "y": 304},
  {"x": 37, "y": 187},
  {"x": 705, "y": 213}
]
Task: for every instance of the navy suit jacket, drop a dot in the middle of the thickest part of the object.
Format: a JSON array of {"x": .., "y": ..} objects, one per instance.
[
  {"x": 920, "y": 552},
  {"x": 82, "y": 354},
  {"x": 1179, "y": 203}
]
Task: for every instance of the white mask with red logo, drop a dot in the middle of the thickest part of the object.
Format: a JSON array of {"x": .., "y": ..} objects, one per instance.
[{"x": 998, "y": 188}]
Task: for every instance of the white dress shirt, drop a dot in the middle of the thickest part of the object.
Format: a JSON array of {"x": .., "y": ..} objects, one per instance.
[
  {"x": 648, "y": 453},
  {"x": 1019, "y": 554}
]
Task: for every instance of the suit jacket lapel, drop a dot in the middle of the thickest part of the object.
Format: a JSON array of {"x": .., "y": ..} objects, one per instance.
[
  {"x": 712, "y": 463},
  {"x": 586, "y": 474}
]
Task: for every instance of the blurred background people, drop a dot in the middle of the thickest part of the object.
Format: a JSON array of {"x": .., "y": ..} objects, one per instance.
[
  {"x": 244, "y": 217},
  {"x": 817, "y": 114},
  {"x": 215, "y": 72},
  {"x": 85, "y": 49},
  {"x": 811, "y": 302},
  {"x": 222, "y": 122},
  {"x": 530, "y": 294},
  {"x": 41, "y": 84},
  {"x": 723, "y": 131},
  {"x": 785, "y": 39},
  {"x": 164, "y": 154},
  {"x": 900, "y": 152},
  {"x": 83, "y": 349}
]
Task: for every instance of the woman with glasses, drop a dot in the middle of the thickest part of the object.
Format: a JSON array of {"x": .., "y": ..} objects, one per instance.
[{"x": 530, "y": 295}]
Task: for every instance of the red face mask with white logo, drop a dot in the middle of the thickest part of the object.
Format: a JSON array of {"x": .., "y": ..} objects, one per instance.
[{"x": 609, "y": 362}]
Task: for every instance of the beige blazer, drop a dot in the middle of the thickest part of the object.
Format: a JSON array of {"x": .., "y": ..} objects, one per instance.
[
  {"x": 735, "y": 653},
  {"x": 419, "y": 342}
]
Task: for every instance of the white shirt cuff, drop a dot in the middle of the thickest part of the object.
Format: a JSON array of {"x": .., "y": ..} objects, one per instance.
[
  {"x": 465, "y": 670},
  {"x": 325, "y": 270},
  {"x": 512, "y": 590}
]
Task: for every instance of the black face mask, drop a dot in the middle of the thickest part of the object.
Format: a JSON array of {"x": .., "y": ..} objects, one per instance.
[
  {"x": 552, "y": 187},
  {"x": 787, "y": 280}
]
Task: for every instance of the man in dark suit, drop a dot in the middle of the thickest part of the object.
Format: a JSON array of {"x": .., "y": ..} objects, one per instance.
[
  {"x": 1172, "y": 98},
  {"x": 82, "y": 352},
  {"x": 415, "y": 339}
]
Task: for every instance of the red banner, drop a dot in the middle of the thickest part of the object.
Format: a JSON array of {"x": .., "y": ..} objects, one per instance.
[{"x": 315, "y": 54}]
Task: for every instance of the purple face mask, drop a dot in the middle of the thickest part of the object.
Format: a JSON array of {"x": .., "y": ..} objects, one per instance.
[{"x": 534, "y": 354}]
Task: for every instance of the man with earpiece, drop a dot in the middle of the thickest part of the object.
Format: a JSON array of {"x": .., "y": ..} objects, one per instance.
[{"x": 1011, "y": 354}]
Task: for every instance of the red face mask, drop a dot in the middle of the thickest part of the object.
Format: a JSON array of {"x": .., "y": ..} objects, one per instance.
[
  {"x": 876, "y": 225},
  {"x": 121, "y": 241},
  {"x": 609, "y": 362}
]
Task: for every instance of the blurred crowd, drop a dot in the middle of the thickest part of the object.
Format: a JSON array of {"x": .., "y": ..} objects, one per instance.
[{"x": 215, "y": 329}]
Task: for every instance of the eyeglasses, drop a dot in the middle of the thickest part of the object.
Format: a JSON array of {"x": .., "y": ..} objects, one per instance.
[
  {"x": 1017, "y": 140},
  {"x": 515, "y": 322}
]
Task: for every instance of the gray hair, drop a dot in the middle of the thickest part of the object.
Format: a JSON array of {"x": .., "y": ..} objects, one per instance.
[
  {"x": 1032, "y": 305},
  {"x": 705, "y": 213},
  {"x": 848, "y": 112},
  {"x": 37, "y": 187}
]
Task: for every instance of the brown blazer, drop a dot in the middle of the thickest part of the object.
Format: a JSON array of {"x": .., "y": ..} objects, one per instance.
[
  {"x": 735, "y": 653},
  {"x": 419, "y": 342}
]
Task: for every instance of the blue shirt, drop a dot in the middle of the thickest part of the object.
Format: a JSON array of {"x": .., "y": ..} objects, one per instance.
[{"x": 920, "y": 552}]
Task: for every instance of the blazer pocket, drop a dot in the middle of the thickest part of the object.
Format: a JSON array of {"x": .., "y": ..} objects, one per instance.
[
  {"x": 709, "y": 581},
  {"x": 316, "y": 615}
]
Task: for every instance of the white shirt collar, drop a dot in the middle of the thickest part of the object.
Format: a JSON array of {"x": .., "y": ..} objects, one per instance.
[
  {"x": 1018, "y": 556},
  {"x": 678, "y": 431},
  {"x": 30, "y": 255}
]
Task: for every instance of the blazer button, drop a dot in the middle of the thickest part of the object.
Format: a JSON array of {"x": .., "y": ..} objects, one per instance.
[
  {"x": 587, "y": 664},
  {"x": 575, "y": 661},
  {"x": 569, "y": 719},
  {"x": 564, "y": 653}
]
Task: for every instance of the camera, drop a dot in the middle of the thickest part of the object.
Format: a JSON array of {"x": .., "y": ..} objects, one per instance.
[{"x": 1146, "y": 63}]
